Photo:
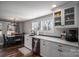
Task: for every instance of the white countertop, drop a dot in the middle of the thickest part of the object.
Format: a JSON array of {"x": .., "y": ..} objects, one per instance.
[{"x": 58, "y": 40}]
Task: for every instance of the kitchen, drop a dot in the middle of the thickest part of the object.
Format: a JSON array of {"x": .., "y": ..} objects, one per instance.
[{"x": 51, "y": 35}]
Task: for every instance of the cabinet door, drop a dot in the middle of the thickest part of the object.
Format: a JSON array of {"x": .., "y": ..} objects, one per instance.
[
  {"x": 58, "y": 18},
  {"x": 70, "y": 14},
  {"x": 42, "y": 48},
  {"x": 54, "y": 50},
  {"x": 68, "y": 51},
  {"x": 48, "y": 49},
  {"x": 77, "y": 52},
  {"x": 25, "y": 40},
  {"x": 28, "y": 42}
]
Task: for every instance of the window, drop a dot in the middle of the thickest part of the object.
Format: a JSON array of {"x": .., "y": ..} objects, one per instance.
[
  {"x": 47, "y": 25},
  {"x": 35, "y": 25}
]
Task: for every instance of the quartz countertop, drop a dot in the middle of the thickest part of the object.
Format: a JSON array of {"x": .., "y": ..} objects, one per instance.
[{"x": 58, "y": 40}]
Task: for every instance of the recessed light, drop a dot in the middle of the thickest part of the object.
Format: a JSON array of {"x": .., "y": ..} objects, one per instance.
[{"x": 53, "y": 6}]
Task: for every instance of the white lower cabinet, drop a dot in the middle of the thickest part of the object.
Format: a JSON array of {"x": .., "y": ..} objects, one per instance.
[
  {"x": 48, "y": 49},
  {"x": 43, "y": 48},
  {"x": 68, "y": 51},
  {"x": 28, "y": 42},
  {"x": 77, "y": 52},
  {"x": 52, "y": 49}
]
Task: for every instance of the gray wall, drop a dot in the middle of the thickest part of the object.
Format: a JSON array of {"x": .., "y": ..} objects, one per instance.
[
  {"x": 21, "y": 27},
  {"x": 27, "y": 26}
]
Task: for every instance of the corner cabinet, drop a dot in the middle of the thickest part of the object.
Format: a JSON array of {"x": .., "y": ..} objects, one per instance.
[{"x": 67, "y": 15}]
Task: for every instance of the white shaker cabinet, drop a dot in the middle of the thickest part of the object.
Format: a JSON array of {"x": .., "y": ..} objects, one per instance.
[
  {"x": 28, "y": 42},
  {"x": 52, "y": 49},
  {"x": 68, "y": 51},
  {"x": 57, "y": 14},
  {"x": 48, "y": 49},
  {"x": 69, "y": 14},
  {"x": 43, "y": 48}
]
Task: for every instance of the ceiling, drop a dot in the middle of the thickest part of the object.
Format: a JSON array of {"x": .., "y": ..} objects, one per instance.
[{"x": 26, "y": 10}]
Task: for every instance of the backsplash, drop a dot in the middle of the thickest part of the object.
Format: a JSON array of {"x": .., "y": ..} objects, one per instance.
[{"x": 56, "y": 32}]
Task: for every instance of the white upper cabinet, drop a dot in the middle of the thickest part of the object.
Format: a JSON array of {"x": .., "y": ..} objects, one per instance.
[
  {"x": 58, "y": 18},
  {"x": 67, "y": 15},
  {"x": 70, "y": 16}
]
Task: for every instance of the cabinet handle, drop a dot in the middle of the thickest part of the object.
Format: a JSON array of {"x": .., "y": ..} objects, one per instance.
[{"x": 60, "y": 50}]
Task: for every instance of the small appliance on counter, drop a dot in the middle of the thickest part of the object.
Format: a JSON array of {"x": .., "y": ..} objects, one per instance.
[
  {"x": 63, "y": 35},
  {"x": 32, "y": 33},
  {"x": 72, "y": 35}
]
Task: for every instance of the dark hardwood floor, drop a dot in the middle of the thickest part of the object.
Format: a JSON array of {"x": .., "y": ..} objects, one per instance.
[{"x": 14, "y": 52}]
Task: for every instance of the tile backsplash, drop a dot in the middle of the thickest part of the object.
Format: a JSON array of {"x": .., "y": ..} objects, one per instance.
[{"x": 56, "y": 32}]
